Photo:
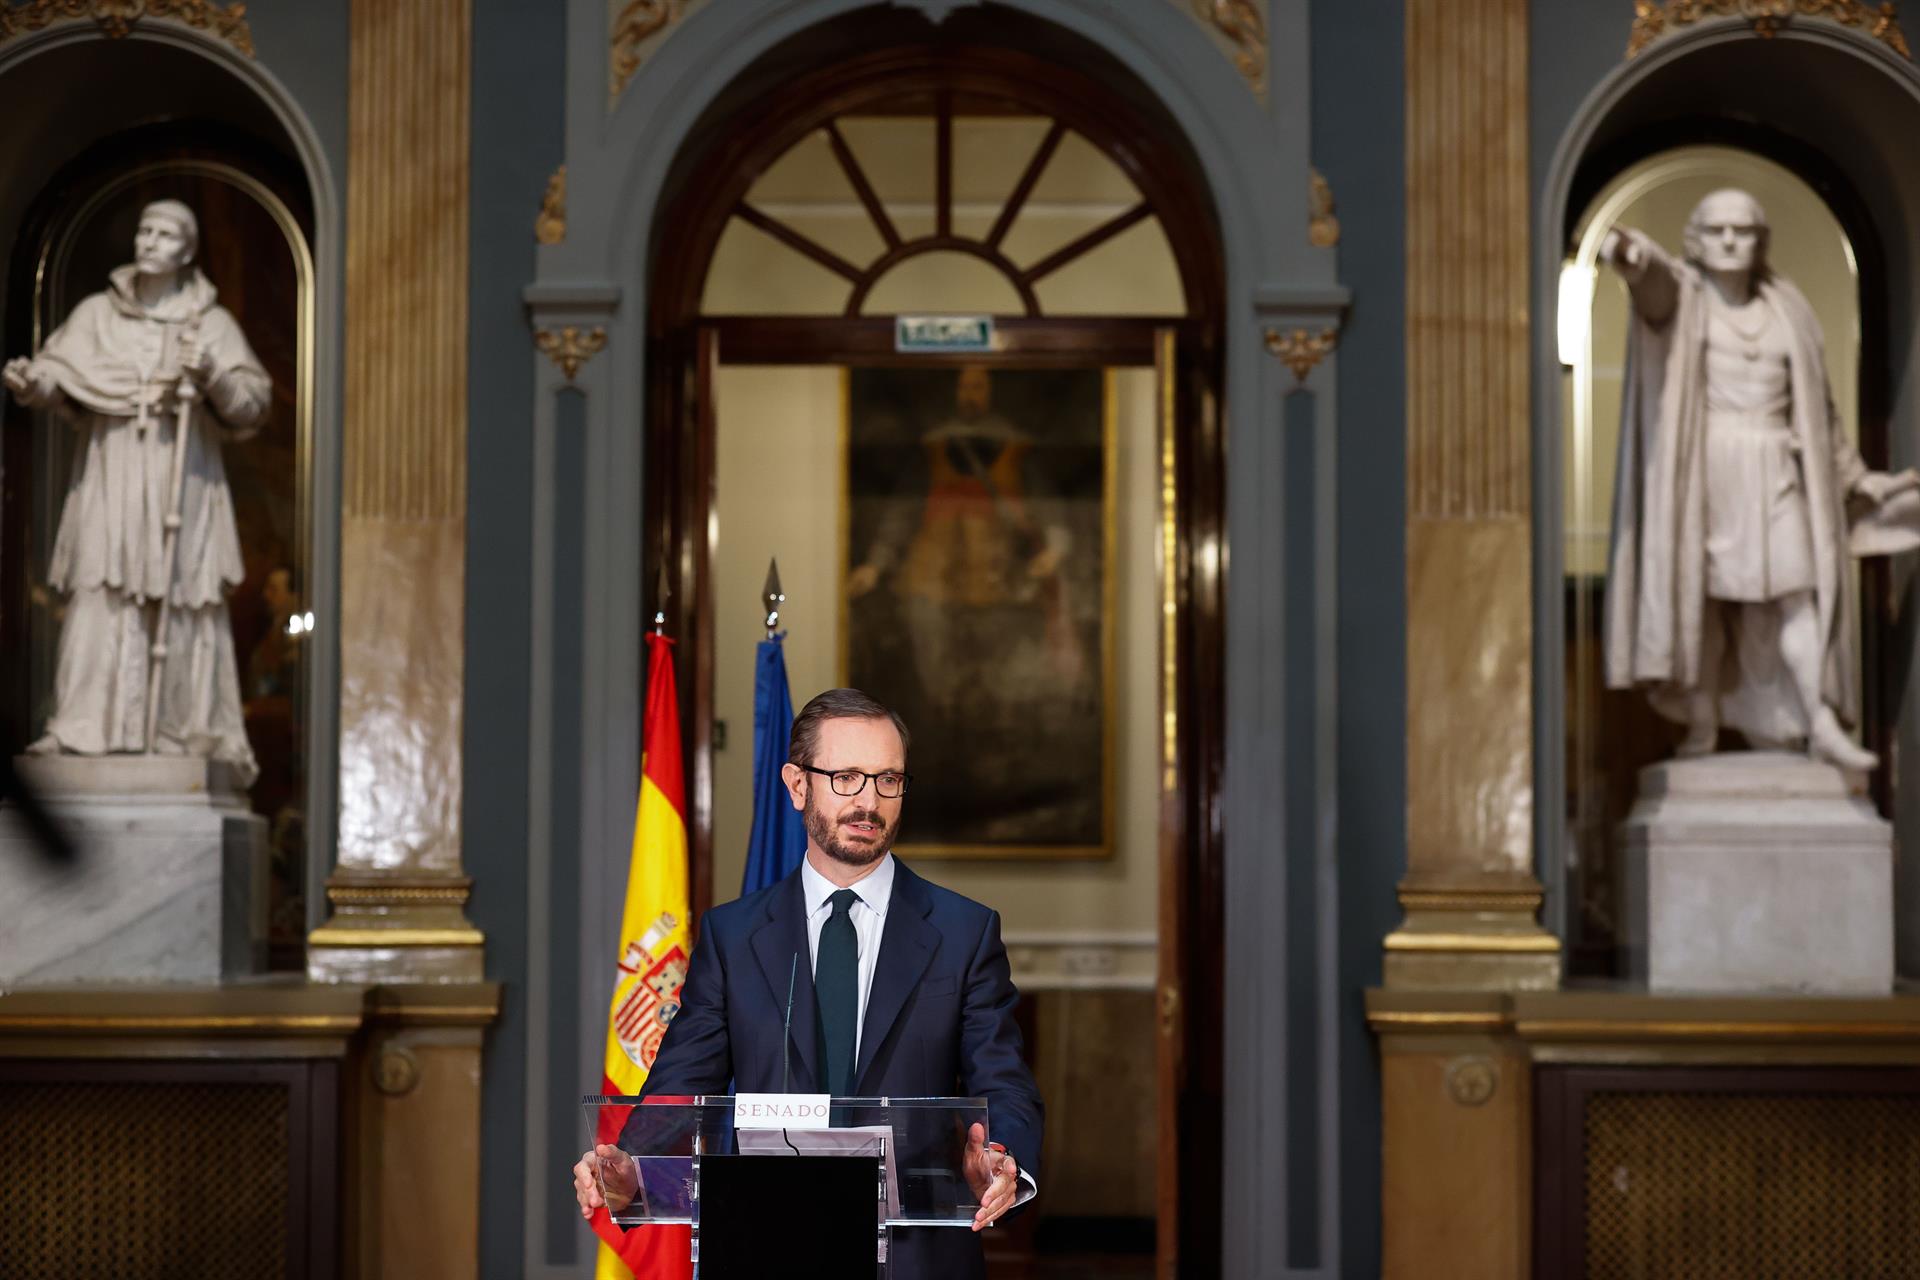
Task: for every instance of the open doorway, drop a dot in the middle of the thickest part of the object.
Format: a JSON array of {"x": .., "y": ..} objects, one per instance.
[{"x": 1063, "y": 214}]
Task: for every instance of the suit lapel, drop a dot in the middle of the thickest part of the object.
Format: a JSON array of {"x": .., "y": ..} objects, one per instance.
[
  {"x": 907, "y": 945},
  {"x": 776, "y": 943}
]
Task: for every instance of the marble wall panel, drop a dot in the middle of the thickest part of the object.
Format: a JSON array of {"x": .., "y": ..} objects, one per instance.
[{"x": 1469, "y": 705}]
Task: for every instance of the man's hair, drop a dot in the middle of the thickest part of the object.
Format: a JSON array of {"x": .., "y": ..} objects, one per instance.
[
  {"x": 837, "y": 704},
  {"x": 1697, "y": 224}
]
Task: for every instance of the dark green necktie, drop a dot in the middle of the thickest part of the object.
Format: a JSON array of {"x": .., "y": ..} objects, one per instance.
[{"x": 836, "y": 979}]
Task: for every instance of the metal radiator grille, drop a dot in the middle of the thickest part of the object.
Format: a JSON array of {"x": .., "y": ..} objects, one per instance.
[
  {"x": 143, "y": 1181},
  {"x": 1703, "y": 1185}
]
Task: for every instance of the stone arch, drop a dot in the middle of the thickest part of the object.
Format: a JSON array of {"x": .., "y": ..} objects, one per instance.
[{"x": 1280, "y": 288}]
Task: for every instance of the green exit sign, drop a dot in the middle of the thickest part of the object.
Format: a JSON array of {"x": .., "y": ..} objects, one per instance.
[{"x": 943, "y": 333}]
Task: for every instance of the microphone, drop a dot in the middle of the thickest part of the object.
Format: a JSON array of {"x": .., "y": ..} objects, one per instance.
[
  {"x": 786, "y": 1039},
  {"x": 786, "y": 1043}
]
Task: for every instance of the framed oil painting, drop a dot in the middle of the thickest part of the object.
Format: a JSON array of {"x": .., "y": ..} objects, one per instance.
[{"x": 977, "y": 589}]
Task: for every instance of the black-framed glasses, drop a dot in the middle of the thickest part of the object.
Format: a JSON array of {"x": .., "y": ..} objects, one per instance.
[{"x": 888, "y": 785}]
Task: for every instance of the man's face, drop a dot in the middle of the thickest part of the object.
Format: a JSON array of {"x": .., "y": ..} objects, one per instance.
[
  {"x": 1730, "y": 231},
  {"x": 856, "y": 830},
  {"x": 159, "y": 246},
  {"x": 973, "y": 396}
]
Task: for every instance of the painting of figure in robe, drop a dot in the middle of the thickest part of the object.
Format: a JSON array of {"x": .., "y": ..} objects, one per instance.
[{"x": 977, "y": 597}]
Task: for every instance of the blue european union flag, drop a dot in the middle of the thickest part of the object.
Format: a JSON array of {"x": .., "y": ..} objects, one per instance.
[{"x": 779, "y": 838}]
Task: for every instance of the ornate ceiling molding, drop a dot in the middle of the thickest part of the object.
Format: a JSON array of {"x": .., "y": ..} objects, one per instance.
[
  {"x": 550, "y": 225},
  {"x": 1244, "y": 24},
  {"x": 570, "y": 348},
  {"x": 634, "y": 23},
  {"x": 1653, "y": 19},
  {"x": 1300, "y": 350},
  {"x": 116, "y": 18}
]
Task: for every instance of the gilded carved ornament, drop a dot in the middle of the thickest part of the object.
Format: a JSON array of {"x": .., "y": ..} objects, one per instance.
[
  {"x": 1323, "y": 229},
  {"x": 1653, "y": 18},
  {"x": 634, "y": 23},
  {"x": 570, "y": 348},
  {"x": 1245, "y": 27},
  {"x": 1472, "y": 1082},
  {"x": 550, "y": 226},
  {"x": 1299, "y": 350},
  {"x": 118, "y": 17}
]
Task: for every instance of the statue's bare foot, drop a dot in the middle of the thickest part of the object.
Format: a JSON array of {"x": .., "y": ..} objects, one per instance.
[
  {"x": 1829, "y": 742},
  {"x": 45, "y": 745}
]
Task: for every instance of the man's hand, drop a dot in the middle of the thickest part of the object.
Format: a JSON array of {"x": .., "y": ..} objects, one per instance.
[
  {"x": 993, "y": 1175},
  {"x": 862, "y": 580},
  {"x": 608, "y": 1167},
  {"x": 1878, "y": 486}
]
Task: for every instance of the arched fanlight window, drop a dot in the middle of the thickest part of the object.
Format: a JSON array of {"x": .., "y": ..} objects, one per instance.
[{"x": 950, "y": 201}]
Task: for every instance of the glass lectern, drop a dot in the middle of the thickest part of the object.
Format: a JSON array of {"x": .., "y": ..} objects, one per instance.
[{"x": 768, "y": 1179}]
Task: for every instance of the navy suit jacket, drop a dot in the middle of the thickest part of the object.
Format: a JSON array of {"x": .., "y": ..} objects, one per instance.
[{"x": 939, "y": 1023}]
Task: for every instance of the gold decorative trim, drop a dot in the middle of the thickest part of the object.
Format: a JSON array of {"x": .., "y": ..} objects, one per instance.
[
  {"x": 1502, "y": 943},
  {"x": 634, "y": 23},
  {"x": 450, "y": 895},
  {"x": 1560, "y": 1029},
  {"x": 1164, "y": 375},
  {"x": 179, "y": 1022},
  {"x": 1653, "y": 19},
  {"x": 420, "y": 1013},
  {"x": 1521, "y": 901},
  {"x": 1323, "y": 229},
  {"x": 335, "y": 936},
  {"x": 1444, "y": 1020},
  {"x": 117, "y": 18},
  {"x": 1300, "y": 351},
  {"x": 1245, "y": 28},
  {"x": 550, "y": 226},
  {"x": 570, "y": 348}
]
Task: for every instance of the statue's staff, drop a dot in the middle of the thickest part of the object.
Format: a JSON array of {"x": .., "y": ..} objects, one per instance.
[{"x": 185, "y": 393}]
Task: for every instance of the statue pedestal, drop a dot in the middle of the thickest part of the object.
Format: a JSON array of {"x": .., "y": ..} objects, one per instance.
[
  {"x": 169, "y": 883},
  {"x": 1757, "y": 871}
]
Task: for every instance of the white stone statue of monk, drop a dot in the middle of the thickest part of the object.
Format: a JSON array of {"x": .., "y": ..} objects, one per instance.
[
  {"x": 1729, "y": 573},
  {"x": 113, "y": 371}
]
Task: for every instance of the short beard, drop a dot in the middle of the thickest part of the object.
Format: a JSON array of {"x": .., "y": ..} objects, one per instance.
[{"x": 827, "y": 838}]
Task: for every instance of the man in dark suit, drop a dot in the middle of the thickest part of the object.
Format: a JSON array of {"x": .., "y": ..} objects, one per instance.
[{"x": 907, "y": 993}]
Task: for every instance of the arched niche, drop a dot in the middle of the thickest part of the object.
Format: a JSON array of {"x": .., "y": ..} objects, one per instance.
[
  {"x": 185, "y": 108},
  {"x": 1839, "y": 112}
]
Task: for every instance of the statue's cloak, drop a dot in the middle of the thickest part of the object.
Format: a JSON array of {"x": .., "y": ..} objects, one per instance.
[
  {"x": 110, "y": 352},
  {"x": 1656, "y": 599}
]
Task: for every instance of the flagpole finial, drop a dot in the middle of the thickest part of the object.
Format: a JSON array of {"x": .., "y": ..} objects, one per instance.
[
  {"x": 772, "y": 596},
  {"x": 660, "y": 594}
]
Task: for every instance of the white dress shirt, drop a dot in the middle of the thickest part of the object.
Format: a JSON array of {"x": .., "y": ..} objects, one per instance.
[{"x": 869, "y": 915}]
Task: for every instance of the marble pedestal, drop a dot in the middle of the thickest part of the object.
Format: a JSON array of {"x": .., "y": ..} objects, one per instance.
[
  {"x": 1757, "y": 871},
  {"x": 169, "y": 881}
]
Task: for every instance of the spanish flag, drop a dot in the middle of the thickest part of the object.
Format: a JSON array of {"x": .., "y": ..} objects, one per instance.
[{"x": 654, "y": 945}]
